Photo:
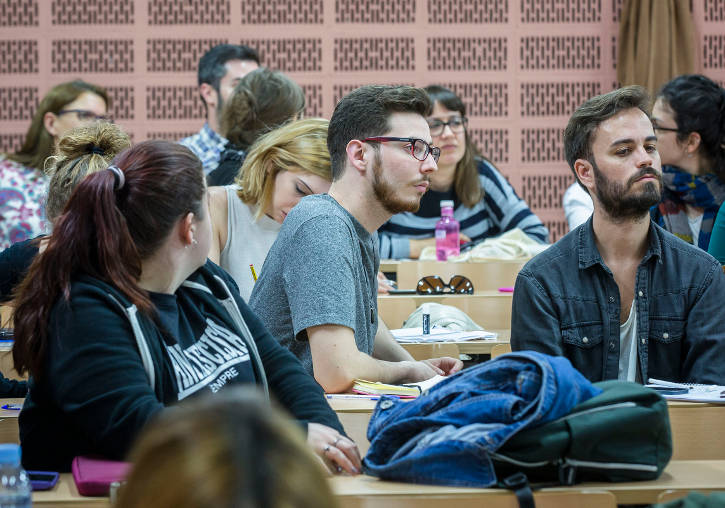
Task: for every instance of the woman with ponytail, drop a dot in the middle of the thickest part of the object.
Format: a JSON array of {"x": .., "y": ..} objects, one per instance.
[
  {"x": 80, "y": 152},
  {"x": 262, "y": 101},
  {"x": 122, "y": 314},
  {"x": 689, "y": 120}
]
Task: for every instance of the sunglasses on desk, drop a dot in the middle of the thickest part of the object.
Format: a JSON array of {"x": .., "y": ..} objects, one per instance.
[{"x": 434, "y": 285}]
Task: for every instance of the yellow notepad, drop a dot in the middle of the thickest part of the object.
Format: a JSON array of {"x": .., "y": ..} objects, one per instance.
[{"x": 377, "y": 388}]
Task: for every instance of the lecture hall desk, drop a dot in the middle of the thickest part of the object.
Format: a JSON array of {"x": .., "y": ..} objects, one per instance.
[
  {"x": 485, "y": 276},
  {"x": 367, "y": 492}
]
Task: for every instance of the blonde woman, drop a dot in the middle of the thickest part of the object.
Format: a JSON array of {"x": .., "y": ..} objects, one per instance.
[{"x": 281, "y": 168}]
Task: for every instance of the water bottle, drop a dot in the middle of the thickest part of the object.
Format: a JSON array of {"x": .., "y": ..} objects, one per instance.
[
  {"x": 447, "y": 237},
  {"x": 15, "y": 489}
]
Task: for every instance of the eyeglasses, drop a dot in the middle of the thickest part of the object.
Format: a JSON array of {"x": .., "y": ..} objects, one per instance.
[
  {"x": 433, "y": 284},
  {"x": 419, "y": 148},
  {"x": 456, "y": 124},
  {"x": 669, "y": 129},
  {"x": 86, "y": 115}
]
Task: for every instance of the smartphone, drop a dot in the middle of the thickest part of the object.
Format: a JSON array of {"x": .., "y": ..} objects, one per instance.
[
  {"x": 43, "y": 480},
  {"x": 402, "y": 291}
]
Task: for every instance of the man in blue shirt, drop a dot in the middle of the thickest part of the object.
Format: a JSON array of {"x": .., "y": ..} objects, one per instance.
[
  {"x": 220, "y": 69},
  {"x": 619, "y": 296}
]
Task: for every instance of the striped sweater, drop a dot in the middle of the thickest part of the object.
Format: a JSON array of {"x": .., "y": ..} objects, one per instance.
[{"x": 499, "y": 211}]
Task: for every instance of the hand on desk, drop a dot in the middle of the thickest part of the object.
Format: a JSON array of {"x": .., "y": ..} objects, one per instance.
[
  {"x": 336, "y": 451},
  {"x": 384, "y": 285},
  {"x": 446, "y": 365}
]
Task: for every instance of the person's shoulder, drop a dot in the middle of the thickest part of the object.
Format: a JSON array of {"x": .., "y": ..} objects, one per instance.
[
  {"x": 558, "y": 257},
  {"x": 486, "y": 168},
  {"x": 190, "y": 141},
  {"x": 682, "y": 254}
]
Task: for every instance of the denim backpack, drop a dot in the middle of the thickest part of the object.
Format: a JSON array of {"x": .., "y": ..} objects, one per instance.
[{"x": 622, "y": 434}]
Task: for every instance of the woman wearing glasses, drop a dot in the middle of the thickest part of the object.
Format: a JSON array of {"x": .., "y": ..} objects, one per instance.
[
  {"x": 689, "y": 120},
  {"x": 22, "y": 183},
  {"x": 485, "y": 203}
]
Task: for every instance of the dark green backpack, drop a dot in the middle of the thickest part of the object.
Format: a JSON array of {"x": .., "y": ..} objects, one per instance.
[{"x": 621, "y": 435}]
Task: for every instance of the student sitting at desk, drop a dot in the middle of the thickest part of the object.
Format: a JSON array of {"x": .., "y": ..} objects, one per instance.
[
  {"x": 282, "y": 167},
  {"x": 122, "y": 314},
  {"x": 317, "y": 292},
  {"x": 619, "y": 296},
  {"x": 485, "y": 203}
]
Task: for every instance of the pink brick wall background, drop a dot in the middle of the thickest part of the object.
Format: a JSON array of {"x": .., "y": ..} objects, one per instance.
[{"x": 522, "y": 65}]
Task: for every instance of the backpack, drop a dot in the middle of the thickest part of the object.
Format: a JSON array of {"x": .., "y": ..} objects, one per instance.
[{"x": 621, "y": 435}]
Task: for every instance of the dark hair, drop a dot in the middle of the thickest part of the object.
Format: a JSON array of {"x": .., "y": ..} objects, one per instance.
[
  {"x": 466, "y": 184},
  {"x": 39, "y": 143},
  {"x": 229, "y": 449},
  {"x": 699, "y": 106},
  {"x": 106, "y": 233},
  {"x": 262, "y": 101},
  {"x": 587, "y": 117},
  {"x": 212, "y": 64},
  {"x": 364, "y": 113}
]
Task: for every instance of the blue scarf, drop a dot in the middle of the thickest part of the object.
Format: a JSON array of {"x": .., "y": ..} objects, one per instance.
[{"x": 680, "y": 189}]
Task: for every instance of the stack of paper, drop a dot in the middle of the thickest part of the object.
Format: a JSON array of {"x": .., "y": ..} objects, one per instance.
[
  {"x": 407, "y": 391},
  {"x": 695, "y": 393},
  {"x": 410, "y": 335}
]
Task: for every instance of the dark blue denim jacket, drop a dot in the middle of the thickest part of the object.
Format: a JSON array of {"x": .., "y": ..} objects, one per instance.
[
  {"x": 566, "y": 302},
  {"x": 446, "y": 436}
]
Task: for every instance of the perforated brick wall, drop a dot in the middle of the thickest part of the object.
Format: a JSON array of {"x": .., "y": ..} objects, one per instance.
[{"x": 521, "y": 66}]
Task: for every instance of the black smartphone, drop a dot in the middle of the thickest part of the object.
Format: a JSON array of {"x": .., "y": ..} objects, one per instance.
[
  {"x": 402, "y": 292},
  {"x": 42, "y": 480}
]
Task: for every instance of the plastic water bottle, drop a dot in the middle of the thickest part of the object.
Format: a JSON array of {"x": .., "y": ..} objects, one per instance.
[
  {"x": 15, "y": 489},
  {"x": 447, "y": 233}
]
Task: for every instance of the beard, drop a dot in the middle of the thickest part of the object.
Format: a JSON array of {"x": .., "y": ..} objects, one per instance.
[
  {"x": 389, "y": 195},
  {"x": 619, "y": 200}
]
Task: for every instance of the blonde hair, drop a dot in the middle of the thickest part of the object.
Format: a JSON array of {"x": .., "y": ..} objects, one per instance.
[
  {"x": 82, "y": 151},
  {"x": 230, "y": 449},
  {"x": 297, "y": 146}
]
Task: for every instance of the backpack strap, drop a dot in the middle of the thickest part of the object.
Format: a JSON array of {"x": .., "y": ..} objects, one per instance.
[{"x": 519, "y": 484}]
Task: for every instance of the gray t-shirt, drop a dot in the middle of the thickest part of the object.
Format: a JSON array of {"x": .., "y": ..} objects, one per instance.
[{"x": 321, "y": 270}]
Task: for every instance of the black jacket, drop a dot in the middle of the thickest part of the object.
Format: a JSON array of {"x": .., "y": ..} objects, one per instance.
[{"x": 96, "y": 394}]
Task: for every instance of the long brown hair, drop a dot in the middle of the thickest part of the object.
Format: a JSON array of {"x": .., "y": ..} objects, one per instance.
[
  {"x": 38, "y": 144},
  {"x": 106, "y": 232},
  {"x": 229, "y": 449},
  {"x": 262, "y": 101},
  {"x": 466, "y": 183},
  {"x": 82, "y": 151}
]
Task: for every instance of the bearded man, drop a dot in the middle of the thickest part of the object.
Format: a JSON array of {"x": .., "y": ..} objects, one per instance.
[
  {"x": 317, "y": 292},
  {"x": 619, "y": 296}
]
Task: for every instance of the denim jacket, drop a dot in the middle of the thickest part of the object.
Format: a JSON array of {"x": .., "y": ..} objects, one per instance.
[
  {"x": 446, "y": 436},
  {"x": 566, "y": 302}
]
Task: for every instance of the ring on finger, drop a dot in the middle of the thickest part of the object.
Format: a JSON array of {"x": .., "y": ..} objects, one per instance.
[
  {"x": 326, "y": 449},
  {"x": 337, "y": 440}
]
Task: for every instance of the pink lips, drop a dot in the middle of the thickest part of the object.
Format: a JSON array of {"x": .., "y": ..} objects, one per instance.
[{"x": 422, "y": 186}]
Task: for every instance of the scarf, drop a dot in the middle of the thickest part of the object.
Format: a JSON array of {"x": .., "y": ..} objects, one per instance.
[{"x": 680, "y": 189}]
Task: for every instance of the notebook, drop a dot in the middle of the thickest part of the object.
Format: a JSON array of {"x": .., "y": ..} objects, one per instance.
[
  {"x": 406, "y": 391},
  {"x": 415, "y": 335},
  {"x": 714, "y": 394}
]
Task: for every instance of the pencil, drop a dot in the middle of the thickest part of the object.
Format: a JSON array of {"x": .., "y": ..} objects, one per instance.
[{"x": 254, "y": 274}]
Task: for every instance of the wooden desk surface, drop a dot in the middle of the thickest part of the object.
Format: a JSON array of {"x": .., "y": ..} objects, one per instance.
[
  {"x": 471, "y": 347},
  {"x": 702, "y": 475},
  {"x": 9, "y": 432},
  {"x": 489, "y": 309}
]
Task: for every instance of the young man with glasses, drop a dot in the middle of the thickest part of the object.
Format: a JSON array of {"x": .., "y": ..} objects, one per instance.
[
  {"x": 220, "y": 69},
  {"x": 619, "y": 296},
  {"x": 317, "y": 292}
]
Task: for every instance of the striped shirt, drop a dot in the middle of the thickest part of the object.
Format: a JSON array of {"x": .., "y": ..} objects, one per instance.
[
  {"x": 207, "y": 145},
  {"x": 499, "y": 211}
]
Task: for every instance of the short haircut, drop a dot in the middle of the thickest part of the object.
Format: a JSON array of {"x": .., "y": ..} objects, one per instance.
[
  {"x": 587, "y": 117},
  {"x": 211, "y": 65},
  {"x": 364, "y": 113},
  {"x": 298, "y": 146}
]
